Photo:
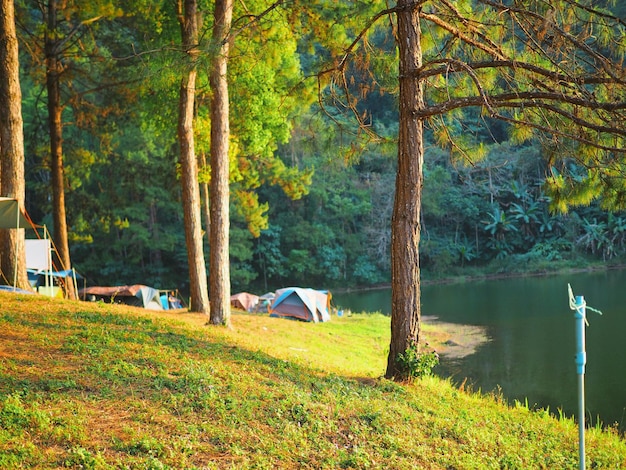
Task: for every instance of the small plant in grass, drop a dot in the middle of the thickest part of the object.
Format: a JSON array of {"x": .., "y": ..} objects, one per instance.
[
  {"x": 417, "y": 363},
  {"x": 79, "y": 457}
]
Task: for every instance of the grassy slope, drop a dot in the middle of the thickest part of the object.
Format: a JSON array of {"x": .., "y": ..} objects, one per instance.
[{"x": 100, "y": 386}]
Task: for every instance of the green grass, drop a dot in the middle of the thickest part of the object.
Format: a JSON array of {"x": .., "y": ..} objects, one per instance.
[{"x": 86, "y": 385}]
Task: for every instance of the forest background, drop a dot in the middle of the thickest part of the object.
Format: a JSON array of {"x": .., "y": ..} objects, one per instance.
[{"x": 312, "y": 189}]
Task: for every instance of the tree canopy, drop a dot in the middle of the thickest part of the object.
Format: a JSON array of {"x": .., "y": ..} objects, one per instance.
[{"x": 523, "y": 139}]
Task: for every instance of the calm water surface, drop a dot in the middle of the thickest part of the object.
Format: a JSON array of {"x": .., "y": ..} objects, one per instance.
[{"x": 531, "y": 350}]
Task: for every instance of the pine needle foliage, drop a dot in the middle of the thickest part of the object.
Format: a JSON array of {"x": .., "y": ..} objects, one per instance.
[{"x": 552, "y": 71}]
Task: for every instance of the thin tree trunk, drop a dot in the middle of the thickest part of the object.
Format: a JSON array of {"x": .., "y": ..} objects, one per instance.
[
  {"x": 12, "y": 184},
  {"x": 156, "y": 256},
  {"x": 188, "y": 17},
  {"x": 55, "y": 129},
  {"x": 219, "y": 188},
  {"x": 405, "y": 270},
  {"x": 206, "y": 202}
]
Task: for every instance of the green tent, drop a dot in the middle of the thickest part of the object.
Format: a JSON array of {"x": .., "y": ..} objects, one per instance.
[
  {"x": 11, "y": 217},
  {"x": 10, "y": 214}
]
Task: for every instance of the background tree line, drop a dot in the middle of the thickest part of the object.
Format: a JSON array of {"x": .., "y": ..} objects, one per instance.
[
  {"x": 123, "y": 197},
  {"x": 470, "y": 76}
]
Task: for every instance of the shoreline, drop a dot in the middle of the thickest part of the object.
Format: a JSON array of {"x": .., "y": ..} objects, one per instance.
[{"x": 452, "y": 340}]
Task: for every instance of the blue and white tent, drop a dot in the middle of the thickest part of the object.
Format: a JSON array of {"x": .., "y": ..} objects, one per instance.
[{"x": 301, "y": 304}]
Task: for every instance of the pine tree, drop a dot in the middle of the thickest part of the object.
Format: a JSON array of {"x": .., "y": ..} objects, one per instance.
[{"x": 12, "y": 183}]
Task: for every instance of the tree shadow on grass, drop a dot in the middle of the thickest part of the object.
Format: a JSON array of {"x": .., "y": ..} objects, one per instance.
[{"x": 106, "y": 354}]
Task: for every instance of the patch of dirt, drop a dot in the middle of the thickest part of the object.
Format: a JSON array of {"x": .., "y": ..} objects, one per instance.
[{"x": 451, "y": 339}]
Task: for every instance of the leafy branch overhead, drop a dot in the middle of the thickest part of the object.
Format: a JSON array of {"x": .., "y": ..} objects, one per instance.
[{"x": 551, "y": 70}]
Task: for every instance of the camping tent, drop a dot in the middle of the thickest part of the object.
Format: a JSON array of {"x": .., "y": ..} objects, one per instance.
[
  {"x": 48, "y": 282},
  {"x": 170, "y": 299},
  {"x": 137, "y": 295},
  {"x": 244, "y": 301},
  {"x": 10, "y": 214},
  {"x": 38, "y": 252},
  {"x": 265, "y": 301},
  {"x": 301, "y": 304},
  {"x": 12, "y": 217}
]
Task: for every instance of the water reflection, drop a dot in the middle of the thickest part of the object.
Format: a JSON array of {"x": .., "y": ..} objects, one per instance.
[{"x": 530, "y": 354}]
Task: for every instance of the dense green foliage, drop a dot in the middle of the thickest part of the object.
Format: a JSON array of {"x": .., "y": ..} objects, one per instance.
[
  {"x": 492, "y": 215},
  {"x": 100, "y": 386},
  {"x": 312, "y": 193}
]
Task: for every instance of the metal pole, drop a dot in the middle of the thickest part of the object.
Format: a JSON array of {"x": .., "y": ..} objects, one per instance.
[
  {"x": 581, "y": 360},
  {"x": 17, "y": 232}
]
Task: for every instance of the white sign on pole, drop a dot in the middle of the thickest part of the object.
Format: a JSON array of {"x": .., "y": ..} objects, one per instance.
[{"x": 38, "y": 254}]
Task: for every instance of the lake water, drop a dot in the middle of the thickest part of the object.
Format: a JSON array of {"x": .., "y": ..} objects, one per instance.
[{"x": 531, "y": 330}]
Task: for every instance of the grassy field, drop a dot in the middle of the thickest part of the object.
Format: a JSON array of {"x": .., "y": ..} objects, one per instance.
[{"x": 89, "y": 385}]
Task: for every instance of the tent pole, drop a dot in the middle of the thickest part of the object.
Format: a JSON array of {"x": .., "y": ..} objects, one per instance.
[
  {"x": 74, "y": 280},
  {"x": 49, "y": 283},
  {"x": 17, "y": 224},
  {"x": 49, "y": 260}
]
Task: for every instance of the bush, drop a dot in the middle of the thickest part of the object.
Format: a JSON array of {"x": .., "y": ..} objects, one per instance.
[{"x": 416, "y": 363}]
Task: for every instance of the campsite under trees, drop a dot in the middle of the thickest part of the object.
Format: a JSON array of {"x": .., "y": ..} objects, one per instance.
[{"x": 167, "y": 138}]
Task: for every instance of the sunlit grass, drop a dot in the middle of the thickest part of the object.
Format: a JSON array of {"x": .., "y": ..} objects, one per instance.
[{"x": 88, "y": 385}]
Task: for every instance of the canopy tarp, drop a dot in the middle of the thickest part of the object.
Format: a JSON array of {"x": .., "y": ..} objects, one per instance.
[
  {"x": 62, "y": 274},
  {"x": 17, "y": 290},
  {"x": 136, "y": 294},
  {"x": 10, "y": 214}
]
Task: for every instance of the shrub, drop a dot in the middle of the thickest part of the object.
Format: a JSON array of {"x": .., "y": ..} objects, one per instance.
[{"x": 417, "y": 363}]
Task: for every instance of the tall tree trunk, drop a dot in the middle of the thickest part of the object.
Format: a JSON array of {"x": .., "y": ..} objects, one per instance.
[
  {"x": 219, "y": 188},
  {"x": 188, "y": 17},
  {"x": 405, "y": 270},
  {"x": 55, "y": 129},
  {"x": 12, "y": 184}
]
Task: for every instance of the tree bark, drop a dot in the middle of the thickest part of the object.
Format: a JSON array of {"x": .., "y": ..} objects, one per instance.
[
  {"x": 188, "y": 17},
  {"x": 206, "y": 202},
  {"x": 55, "y": 129},
  {"x": 405, "y": 236},
  {"x": 12, "y": 184},
  {"x": 219, "y": 187}
]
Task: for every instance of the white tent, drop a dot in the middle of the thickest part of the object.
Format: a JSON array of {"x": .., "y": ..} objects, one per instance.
[
  {"x": 11, "y": 217},
  {"x": 38, "y": 252}
]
